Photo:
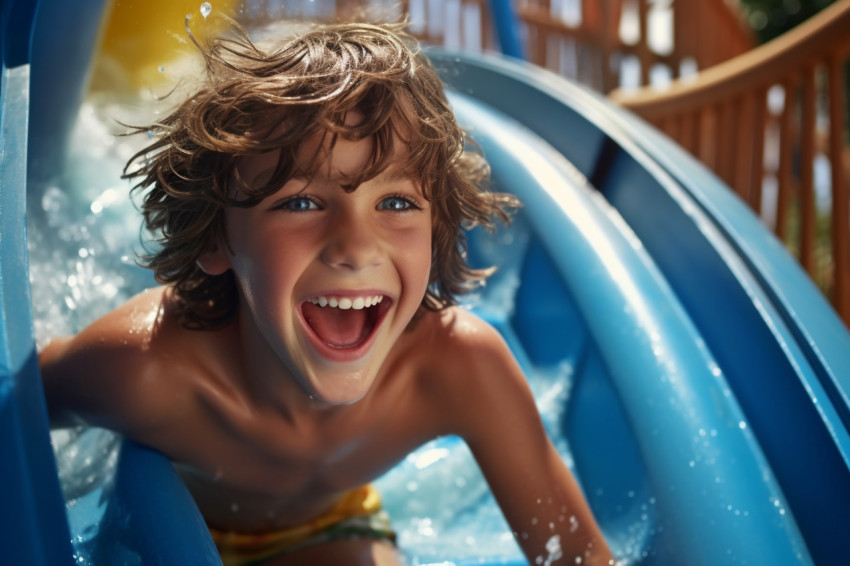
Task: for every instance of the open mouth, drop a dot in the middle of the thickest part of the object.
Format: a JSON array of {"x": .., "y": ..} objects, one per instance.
[{"x": 344, "y": 322}]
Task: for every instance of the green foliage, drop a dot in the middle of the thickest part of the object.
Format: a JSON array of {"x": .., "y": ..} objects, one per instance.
[
  {"x": 823, "y": 263},
  {"x": 770, "y": 18}
]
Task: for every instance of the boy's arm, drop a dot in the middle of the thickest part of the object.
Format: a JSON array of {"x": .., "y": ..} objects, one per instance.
[
  {"x": 106, "y": 375},
  {"x": 83, "y": 383},
  {"x": 494, "y": 411}
]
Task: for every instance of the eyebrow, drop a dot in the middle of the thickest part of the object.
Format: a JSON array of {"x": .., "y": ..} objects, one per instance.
[
  {"x": 395, "y": 174},
  {"x": 388, "y": 174},
  {"x": 308, "y": 175}
]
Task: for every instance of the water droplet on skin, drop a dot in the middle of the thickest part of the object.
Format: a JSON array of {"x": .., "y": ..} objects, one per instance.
[
  {"x": 206, "y": 8},
  {"x": 553, "y": 548}
]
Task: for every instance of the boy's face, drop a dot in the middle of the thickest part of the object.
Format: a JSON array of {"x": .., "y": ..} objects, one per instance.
[{"x": 331, "y": 279}]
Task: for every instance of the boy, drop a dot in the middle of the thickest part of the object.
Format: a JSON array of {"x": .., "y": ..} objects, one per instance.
[{"x": 310, "y": 202}]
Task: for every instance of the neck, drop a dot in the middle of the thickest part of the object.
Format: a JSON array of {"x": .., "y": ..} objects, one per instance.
[{"x": 268, "y": 382}]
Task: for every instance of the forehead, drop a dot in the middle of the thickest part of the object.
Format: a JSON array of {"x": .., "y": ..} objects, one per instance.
[
  {"x": 325, "y": 155},
  {"x": 347, "y": 159}
]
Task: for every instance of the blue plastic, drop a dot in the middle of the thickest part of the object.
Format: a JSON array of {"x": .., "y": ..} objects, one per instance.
[
  {"x": 506, "y": 24},
  {"x": 708, "y": 417},
  {"x": 669, "y": 387},
  {"x": 33, "y": 528},
  {"x": 776, "y": 340},
  {"x": 157, "y": 525}
]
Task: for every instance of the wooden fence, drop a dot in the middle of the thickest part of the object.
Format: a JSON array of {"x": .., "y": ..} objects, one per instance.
[
  {"x": 594, "y": 40},
  {"x": 597, "y": 42},
  {"x": 773, "y": 124}
]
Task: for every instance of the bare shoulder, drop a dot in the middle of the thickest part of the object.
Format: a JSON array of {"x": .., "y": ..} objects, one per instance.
[
  {"x": 467, "y": 343},
  {"x": 107, "y": 375},
  {"x": 469, "y": 369},
  {"x": 127, "y": 329}
]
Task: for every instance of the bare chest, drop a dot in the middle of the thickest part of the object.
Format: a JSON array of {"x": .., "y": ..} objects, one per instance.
[
  {"x": 267, "y": 473},
  {"x": 250, "y": 468}
]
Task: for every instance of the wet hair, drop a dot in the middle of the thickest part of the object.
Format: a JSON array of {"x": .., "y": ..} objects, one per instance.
[{"x": 255, "y": 100}]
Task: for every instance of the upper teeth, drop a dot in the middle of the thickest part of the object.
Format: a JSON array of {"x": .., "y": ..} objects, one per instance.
[{"x": 345, "y": 303}]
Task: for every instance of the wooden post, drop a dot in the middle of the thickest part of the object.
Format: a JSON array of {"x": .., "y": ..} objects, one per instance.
[
  {"x": 807, "y": 188},
  {"x": 840, "y": 189},
  {"x": 785, "y": 160},
  {"x": 757, "y": 174}
]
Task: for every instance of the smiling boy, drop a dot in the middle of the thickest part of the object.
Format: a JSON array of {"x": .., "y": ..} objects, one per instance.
[{"x": 311, "y": 202}]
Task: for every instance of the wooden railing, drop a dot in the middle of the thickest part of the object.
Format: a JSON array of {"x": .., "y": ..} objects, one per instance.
[
  {"x": 454, "y": 23},
  {"x": 459, "y": 23},
  {"x": 592, "y": 39},
  {"x": 773, "y": 124}
]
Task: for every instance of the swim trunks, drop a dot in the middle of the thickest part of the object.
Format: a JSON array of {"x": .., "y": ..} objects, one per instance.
[{"x": 357, "y": 515}]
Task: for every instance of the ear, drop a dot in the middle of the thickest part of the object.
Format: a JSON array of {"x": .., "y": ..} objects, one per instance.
[{"x": 214, "y": 261}]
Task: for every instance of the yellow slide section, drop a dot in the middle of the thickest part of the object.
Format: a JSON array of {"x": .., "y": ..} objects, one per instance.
[{"x": 144, "y": 43}]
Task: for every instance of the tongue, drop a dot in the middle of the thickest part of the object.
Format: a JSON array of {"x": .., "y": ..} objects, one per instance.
[{"x": 336, "y": 327}]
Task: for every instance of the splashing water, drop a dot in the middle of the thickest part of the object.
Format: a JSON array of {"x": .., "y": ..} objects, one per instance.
[
  {"x": 83, "y": 233},
  {"x": 206, "y": 8},
  {"x": 553, "y": 548}
]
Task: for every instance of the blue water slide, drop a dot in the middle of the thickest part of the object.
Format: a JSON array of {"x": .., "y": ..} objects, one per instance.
[
  {"x": 33, "y": 529},
  {"x": 708, "y": 417},
  {"x": 777, "y": 344}
]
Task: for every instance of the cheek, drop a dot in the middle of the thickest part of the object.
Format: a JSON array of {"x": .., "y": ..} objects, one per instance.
[
  {"x": 438, "y": 248},
  {"x": 427, "y": 260},
  {"x": 417, "y": 253},
  {"x": 258, "y": 273}
]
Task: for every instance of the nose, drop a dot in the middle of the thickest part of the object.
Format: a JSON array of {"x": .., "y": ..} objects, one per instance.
[{"x": 352, "y": 243}]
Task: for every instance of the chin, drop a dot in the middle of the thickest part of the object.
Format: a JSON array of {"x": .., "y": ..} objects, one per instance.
[{"x": 339, "y": 390}]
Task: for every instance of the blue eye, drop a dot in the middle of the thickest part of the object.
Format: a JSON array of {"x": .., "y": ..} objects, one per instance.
[
  {"x": 297, "y": 204},
  {"x": 398, "y": 204}
]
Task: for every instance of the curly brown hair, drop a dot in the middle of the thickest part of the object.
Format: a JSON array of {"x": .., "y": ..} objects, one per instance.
[{"x": 255, "y": 101}]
